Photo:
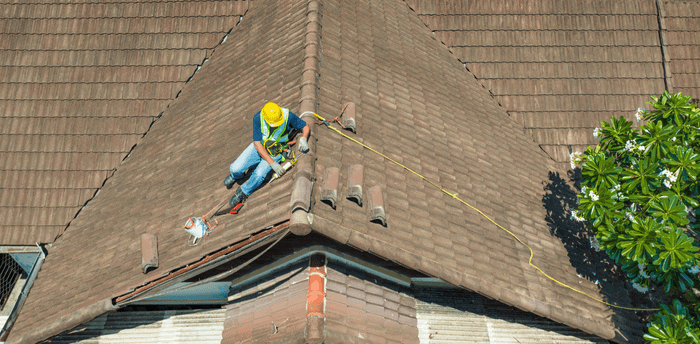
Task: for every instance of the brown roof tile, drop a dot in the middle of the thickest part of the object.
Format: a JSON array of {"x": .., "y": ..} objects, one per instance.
[
  {"x": 149, "y": 193},
  {"x": 494, "y": 172},
  {"x": 100, "y": 70},
  {"x": 558, "y": 56},
  {"x": 681, "y": 43}
]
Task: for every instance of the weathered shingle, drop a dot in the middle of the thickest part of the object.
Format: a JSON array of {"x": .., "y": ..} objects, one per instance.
[
  {"x": 543, "y": 60},
  {"x": 80, "y": 83},
  {"x": 682, "y": 44},
  {"x": 175, "y": 172},
  {"x": 416, "y": 103}
]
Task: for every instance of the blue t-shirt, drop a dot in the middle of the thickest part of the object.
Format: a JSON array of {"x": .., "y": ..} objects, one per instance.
[{"x": 293, "y": 122}]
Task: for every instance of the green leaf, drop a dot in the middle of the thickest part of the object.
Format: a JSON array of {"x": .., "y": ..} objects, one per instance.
[
  {"x": 669, "y": 209},
  {"x": 676, "y": 250}
]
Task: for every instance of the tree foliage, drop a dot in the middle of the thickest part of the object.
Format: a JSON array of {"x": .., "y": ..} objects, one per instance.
[{"x": 639, "y": 191}]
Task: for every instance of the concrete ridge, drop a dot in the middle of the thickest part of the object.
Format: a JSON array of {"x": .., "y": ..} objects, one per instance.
[{"x": 300, "y": 203}]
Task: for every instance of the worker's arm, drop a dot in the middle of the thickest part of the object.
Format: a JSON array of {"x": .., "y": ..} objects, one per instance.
[
  {"x": 263, "y": 152},
  {"x": 305, "y": 132}
]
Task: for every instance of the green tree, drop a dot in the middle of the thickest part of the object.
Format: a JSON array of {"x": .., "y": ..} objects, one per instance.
[{"x": 638, "y": 194}]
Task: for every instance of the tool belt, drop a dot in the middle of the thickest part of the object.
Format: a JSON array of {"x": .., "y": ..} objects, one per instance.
[{"x": 274, "y": 148}]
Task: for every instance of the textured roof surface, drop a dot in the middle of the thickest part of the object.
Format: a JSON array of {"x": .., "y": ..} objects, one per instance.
[
  {"x": 558, "y": 67},
  {"x": 80, "y": 83},
  {"x": 144, "y": 327},
  {"x": 682, "y": 42},
  {"x": 450, "y": 315},
  {"x": 269, "y": 311},
  {"x": 357, "y": 310},
  {"x": 416, "y": 103},
  {"x": 362, "y": 310},
  {"x": 175, "y": 172}
]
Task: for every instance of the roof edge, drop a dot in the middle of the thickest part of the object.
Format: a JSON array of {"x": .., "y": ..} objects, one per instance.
[
  {"x": 193, "y": 267},
  {"x": 411, "y": 260},
  {"x": 69, "y": 321},
  {"x": 300, "y": 203}
]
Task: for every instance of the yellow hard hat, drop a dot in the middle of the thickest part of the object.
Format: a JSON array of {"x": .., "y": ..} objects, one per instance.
[{"x": 272, "y": 114}]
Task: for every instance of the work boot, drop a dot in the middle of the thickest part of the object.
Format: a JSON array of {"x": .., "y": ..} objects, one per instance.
[
  {"x": 229, "y": 181},
  {"x": 237, "y": 198}
]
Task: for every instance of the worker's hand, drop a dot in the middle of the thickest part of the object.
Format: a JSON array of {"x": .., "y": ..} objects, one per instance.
[
  {"x": 303, "y": 145},
  {"x": 278, "y": 169}
]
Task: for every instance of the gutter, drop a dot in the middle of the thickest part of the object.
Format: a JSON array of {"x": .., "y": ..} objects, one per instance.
[
  {"x": 69, "y": 321},
  {"x": 23, "y": 294}
]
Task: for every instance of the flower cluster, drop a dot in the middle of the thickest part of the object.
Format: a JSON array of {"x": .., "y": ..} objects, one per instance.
[
  {"x": 639, "y": 115},
  {"x": 593, "y": 196},
  {"x": 631, "y": 146},
  {"x": 640, "y": 288},
  {"x": 575, "y": 217},
  {"x": 575, "y": 158},
  {"x": 670, "y": 178},
  {"x": 596, "y": 132}
]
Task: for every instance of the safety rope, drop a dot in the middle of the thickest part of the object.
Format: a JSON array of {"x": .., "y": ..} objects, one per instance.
[{"x": 455, "y": 196}]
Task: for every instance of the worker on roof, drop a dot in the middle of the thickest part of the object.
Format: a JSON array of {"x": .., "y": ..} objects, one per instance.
[{"x": 271, "y": 129}]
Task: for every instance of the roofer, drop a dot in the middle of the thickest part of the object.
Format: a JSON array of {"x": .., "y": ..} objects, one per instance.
[{"x": 270, "y": 136}]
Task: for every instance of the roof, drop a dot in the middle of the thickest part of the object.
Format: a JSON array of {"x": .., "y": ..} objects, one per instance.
[
  {"x": 269, "y": 311},
  {"x": 680, "y": 32},
  {"x": 417, "y": 104},
  {"x": 558, "y": 67},
  {"x": 80, "y": 84},
  {"x": 357, "y": 310},
  {"x": 174, "y": 326},
  {"x": 363, "y": 310},
  {"x": 175, "y": 172},
  {"x": 458, "y": 315},
  {"x": 414, "y": 102}
]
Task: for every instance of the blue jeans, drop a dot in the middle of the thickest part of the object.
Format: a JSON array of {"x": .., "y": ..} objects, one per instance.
[{"x": 249, "y": 158}]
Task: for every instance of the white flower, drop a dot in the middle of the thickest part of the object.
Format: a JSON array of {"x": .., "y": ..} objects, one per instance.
[
  {"x": 630, "y": 217},
  {"x": 640, "y": 113},
  {"x": 673, "y": 139},
  {"x": 593, "y": 196},
  {"x": 694, "y": 269},
  {"x": 667, "y": 183},
  {"x": 596, "y": 132},
  {"x": 629, "y": 145},
  {"x": 670, "y": 177},
  {"x": 583, "y": 190},
  {"x": 639, "y": 287},
  {"x": 576, "y": 217},
  {"x": 595, "y": 244},
  {"x": 673, "y": 177},
  {"x": 575, "y": 158},
  {"x": 641, "y": 148}
]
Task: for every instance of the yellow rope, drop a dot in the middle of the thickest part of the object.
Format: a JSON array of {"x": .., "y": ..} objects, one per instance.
[{"x": 455, "y": 196}]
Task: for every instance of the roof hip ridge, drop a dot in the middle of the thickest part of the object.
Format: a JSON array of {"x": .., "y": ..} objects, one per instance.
[{"x": 300, "y": 203}]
